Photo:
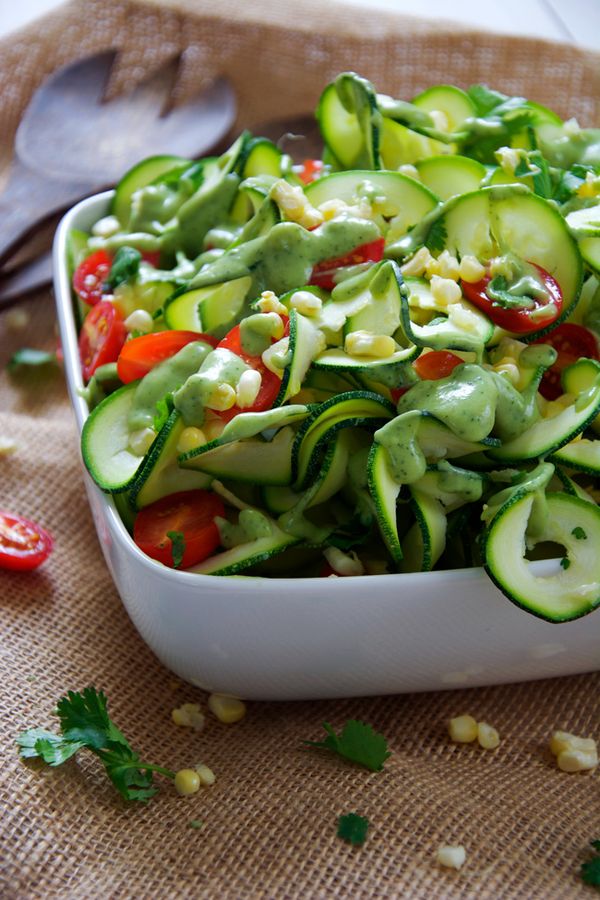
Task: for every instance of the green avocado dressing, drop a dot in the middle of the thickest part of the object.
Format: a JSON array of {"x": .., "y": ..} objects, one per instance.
[{"x": 162, "y": 380}]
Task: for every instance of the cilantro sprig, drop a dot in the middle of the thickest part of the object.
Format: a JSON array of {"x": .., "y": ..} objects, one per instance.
[
  {"x": 590, "y": 870},
  {"x": 353, "y": 829},
  {"x": 358, "y": 743},
  {"x": 85, "y": 724}
]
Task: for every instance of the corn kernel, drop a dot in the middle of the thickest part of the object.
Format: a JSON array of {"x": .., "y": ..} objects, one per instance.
[
  {"x": 221, "y": 397},
  {"x": 452, "y": 857},
  {"x": 576, "y": 761},
  {"x": 269, "y": 302},
  {"x": 190, "y": 438},
  {"x": 463, "y": 317},
  {"x": 463, "y": 729},
  {"x": 410, "y": 170},
  {"x": 501, "y": 265},
  {"x": 141, "y": 440},
  {"x": 418, "y": 263},
  {"x": 227, "y": 709},
  {"x": 187, "y": 782},
  {"x": 440, "y": 119},
  {"x": 563, "y": 740},
  {"x": 432, "y": 268},
  {"x": 7, "y": 446},
  {"x": 207, "y": 776},
  {"x": 508, "y": 159},
  {"x": 247, "y": 388},
  {"x": 363, "y": 343},
  {"x": 188, "y": 716},
  {"x": 590, "y": 187},
  {"x": 471, "y": 270},
  {"x": 448, "y": 266},
  {"x": 332, "y": 208},
  {"x": 445, "y": 291},
  {"x": 571, "y": 127},
  {"x": 487, "y": 737},
  {"x": 106, "y": 227},
  {"x": 509, "y": 368},
  {"x": 305, "y": 303},
  {"x": 293, "y": 202},
  {"x": 139, "y": 320}
]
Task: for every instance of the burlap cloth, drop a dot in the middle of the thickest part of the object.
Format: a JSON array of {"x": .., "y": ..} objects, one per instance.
[{"x": 270, "y": 821}]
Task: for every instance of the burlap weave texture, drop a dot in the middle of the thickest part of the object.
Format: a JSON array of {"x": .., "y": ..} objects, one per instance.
[{"x": 269, "y": 822}]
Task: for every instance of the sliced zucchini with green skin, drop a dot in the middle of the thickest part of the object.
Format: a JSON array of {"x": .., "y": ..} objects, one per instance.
[
  {"x": 589, "y": 248},
  {"x": 305, "y": 341},
  {"x": 450, "y": 100},
  {"x": 584, "y": 222},
  {"x": 337, "y": 360},
  {"x": 263, "y": 158},
  {"x": 384, "y": 490},
  {"x": 252, "y": 460},
  {"x": 582, "y": 456},
  {"x": 451, "y": 485},
  {"x": 333, "y": 473},
  {"x": 448, "y": 176},
  {"x": 210, "y": 308},
  {"x": 397, "y": 194},
  {"x": 343, "y": 411},
  {"x": 248, "y": 425},
  {"x": 105, "y": 442},
  {"x": 401, "y": 146},
  {"x": 237, "y": 559},
  {"x": 349, "y": 120},
  {"x": 459, "y": 327},
  {"x": 160, "y": 473},
  {"x": 141, "y": 175},
  {"x": 548, "y": 435},
  {"x": 278, "y": 499},
  {"x": 571, "y": 487},
  {"x": 426, "y": 539},
  {"x": 570, "y": 522}
]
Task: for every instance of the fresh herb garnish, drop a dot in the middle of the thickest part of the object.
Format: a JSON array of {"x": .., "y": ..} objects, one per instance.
[
  {"x": 125, "y": 267},
  {"x": 579, "y": 534},
  {"x": 590, "y": 870},
  {"x": 353, "y": 828},
  {"x": 29, "y": 356},
  {"x": 437, "y": 236},
  {"x": 498, "y": 291},
  {"x": 358, "y": 743},
  {"x": 565, "y": 562},
  {"x": 177, "y": 547},
  {"x": 164, "y": 408},
  {"x": 85, "y": 724},
  {"x": 196, "y": 823}
]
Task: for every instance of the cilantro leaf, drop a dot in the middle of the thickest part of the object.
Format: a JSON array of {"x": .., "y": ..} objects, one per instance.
[
  {"x": 437, "y": 236},
  {"x": 54, "y": 750},
  {"x": 565, "y": 562},
  {"x": 164, "y": 408},
  {"x": 498, "y": 291},
  {"x": 485, "y": 99},
  {"x": 590, "y": 870},
  {"x": 579, "y": 535},
  {"x": 357, "y": 743},
  {"x": 177, "y": 547},
  {"x": 353, "y": 828},
  {"x": 31, "y": 357},
  {"x": 85, "y": 724},
  {"x": 125, "y": 267}
]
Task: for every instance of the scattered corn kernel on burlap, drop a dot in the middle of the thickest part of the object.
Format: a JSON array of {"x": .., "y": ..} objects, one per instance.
[{"x": 269, "y": 823}]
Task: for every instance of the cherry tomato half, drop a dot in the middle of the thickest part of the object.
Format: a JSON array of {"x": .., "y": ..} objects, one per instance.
[
  {"x": 189, "y": 513},
  {"x": 323, "y": 274},
  {"x": 23, "y": 544},
  {"x": 311, "y": 170},
  {"x": 102, "y": 336},
  {"x": 571, "y": 342},
  {"x": 90, "y": 275},
  {"x": 140, "y": 354},
  {"x": 270, "y": 383},
  {"x": 436, "y": 364},
  {"x": 519, "y": 321}
]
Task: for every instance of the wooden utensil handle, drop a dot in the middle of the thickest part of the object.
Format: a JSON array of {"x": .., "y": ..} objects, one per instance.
[{"x": 27, "y": 200}]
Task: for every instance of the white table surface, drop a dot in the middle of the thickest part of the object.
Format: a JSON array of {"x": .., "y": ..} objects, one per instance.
[{"x": 577, "y": 21}]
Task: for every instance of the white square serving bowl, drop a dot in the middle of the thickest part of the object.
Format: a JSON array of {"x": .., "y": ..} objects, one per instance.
[{"x": 291, "y": 639}]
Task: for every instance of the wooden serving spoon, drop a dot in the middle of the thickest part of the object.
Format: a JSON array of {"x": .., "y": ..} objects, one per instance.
[{"x": 70, "y": 143}]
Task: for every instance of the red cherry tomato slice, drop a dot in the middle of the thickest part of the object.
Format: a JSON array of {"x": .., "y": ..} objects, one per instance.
[
  {"x": 102, "y": 336},
  {"x": 571, "y": 342},
  {"x": 23, "y": 544},
  {"x": 518, "y": 321},
  {"x": 323, "y": 274},
  {"x": 152, "y": 257},
  {"x": 140, "y": 354},
  {"x": 191, "y": 514},
  {"x": 90, "y": 275},
  {"x": 436, "y": 364},
  {"x": 311, "y": 170},
  {"x": 270, "y": 383}
]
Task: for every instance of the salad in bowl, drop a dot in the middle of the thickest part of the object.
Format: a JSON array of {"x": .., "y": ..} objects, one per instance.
[{"x": 380, "y": 363}]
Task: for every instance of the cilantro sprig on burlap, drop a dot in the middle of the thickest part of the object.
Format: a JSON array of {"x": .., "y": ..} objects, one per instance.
[
  {"x": 358, "y": 743},
  {"x": 85, "y": 724}
]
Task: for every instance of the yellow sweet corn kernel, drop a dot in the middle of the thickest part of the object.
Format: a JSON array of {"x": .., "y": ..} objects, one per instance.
[
  {"x": 226, "y": 709},
  {"x": 463, "y": 729},
  {"x": 269, "y": 302},
  {"x": 445, "y": 291},
  {"x": 248, "y": 387},
  {"x": 139, "y": 320},
  {"x": 187, "y": 782},
  {"x": 418, "y": 263},
  {"x": 188, "y": 716},
  {"x": 363, "y": 343},
  {"x": 305, "y": 303},
  {"x": 207, "y": 776},
  {"x": 448, "y": 266},
  {"x": 190, "y": 438},
  {"x": 487, "y": 737},
  {"x": 563, "y": 740},
  {"x": 576, "y": 761},
  {"x": 221, "y": 397},
  {"x": 452, "y": 857},
  {"x": 292, "y": 201},
  {"x": 471, "y": 270}
]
